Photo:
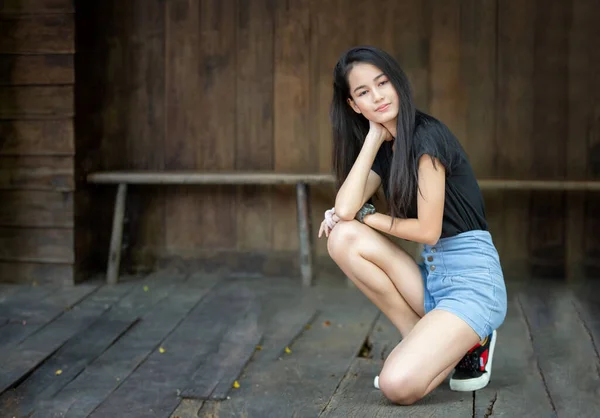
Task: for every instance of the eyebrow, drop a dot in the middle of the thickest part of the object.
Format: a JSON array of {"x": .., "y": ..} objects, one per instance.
[{"x": 375, "y": 79}]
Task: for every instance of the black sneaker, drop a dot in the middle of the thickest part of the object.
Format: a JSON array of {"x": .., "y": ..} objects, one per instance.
[{"x": 473, "y": 372}]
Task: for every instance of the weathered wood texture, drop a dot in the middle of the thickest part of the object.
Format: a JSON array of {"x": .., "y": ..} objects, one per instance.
[
  {"x": 208, "y": 85},
  {"x": 37, "y": 146},
  {"x": 149, "y": 346}
]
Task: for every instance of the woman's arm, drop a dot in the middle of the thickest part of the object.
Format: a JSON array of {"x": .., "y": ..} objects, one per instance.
[
  {"x": 361, "y": 182},
  {"x": 427, "y": 228}
]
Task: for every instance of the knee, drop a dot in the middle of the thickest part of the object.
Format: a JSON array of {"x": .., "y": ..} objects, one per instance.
[
  {"x": 342, "y": 238},
  {"x": 401, "y": 388}
]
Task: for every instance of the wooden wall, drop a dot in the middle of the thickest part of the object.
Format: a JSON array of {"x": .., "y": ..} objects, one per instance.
[
  {"x": 239, "y": 85},
  {"x": 37, "y": 141}
]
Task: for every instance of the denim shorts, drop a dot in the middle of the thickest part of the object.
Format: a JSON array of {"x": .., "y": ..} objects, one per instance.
[{"x": 462, "y": 275}]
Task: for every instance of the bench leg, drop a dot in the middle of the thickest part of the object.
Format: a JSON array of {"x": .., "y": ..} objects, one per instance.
[
  {"x": 304, "y": 231},
  {"x": 114, "y": 256}
]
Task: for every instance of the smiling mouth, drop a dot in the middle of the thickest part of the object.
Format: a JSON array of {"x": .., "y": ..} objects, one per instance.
[{"x": 382, "y": 108}]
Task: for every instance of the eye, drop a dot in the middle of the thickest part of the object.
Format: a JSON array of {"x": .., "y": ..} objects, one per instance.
[
  {"x": 362, "y": 93},
  {"x": 383, "y": 82}
]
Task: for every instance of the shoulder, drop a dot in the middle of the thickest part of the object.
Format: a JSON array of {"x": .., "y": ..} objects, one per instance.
[{"x": 432, "y": 137}]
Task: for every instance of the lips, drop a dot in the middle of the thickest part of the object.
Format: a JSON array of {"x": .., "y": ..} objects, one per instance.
[{"x": 383, "y": 108}]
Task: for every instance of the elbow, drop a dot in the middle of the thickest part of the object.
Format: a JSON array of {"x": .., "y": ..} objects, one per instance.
[
  {"x": 431, "y": 242},
  {"x": 432, "y": 236},
  {"x": 344, "y": 213}
]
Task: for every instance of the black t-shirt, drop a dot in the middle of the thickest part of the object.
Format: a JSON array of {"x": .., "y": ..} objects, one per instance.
[{"x": 464, "y": 208}]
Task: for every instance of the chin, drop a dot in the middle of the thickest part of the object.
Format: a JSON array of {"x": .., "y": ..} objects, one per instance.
[{"x": 384, "y": 118}]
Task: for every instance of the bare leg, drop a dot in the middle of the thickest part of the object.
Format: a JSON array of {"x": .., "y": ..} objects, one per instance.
[
  {"x": 425, "y": 357},
  {"x": 385, "y": 273}
]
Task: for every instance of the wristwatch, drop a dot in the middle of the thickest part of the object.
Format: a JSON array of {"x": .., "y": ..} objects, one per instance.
[{"x": 367, "y": 209}]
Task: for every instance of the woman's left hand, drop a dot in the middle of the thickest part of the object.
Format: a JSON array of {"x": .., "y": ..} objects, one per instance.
[{"x": 330, "y": 221}]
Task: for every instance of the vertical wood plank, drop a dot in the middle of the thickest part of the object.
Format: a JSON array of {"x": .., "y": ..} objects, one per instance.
[
  {"x": 581, "y": 104},
  {"x": 380, "y": 23},
  {"x": 185, "y": 123},
  {"x": 201, "y": 85},
  {"x": 447, "y": 93},
  {"x": 294, "y": 146},
  {"x": 248, "y": 86},
  {"x": 592, "y": 200},
  {"x": 93, "y": 205},
  {"x": 514, "y": 122},
  {"x": 254, "y": 124},
  {"x": 410, "y": 32},
  {"x": 330, "y": 36},
  {"x": 478, "y": 76},
  {"x": 478, "y": 70},
  {"x": 547, "y": 210},
  {"x": 145, "y": 122}
]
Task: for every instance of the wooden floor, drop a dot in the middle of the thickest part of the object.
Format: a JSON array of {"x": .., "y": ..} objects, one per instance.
[{"x": 193, "y": 345}]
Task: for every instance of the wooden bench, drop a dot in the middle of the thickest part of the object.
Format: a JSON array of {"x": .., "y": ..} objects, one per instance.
[
  {"x": 300, "y": 180},
  {"x": 125, "y": 178}
]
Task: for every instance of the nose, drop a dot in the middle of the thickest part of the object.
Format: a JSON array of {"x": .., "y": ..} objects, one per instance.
[{"x": 377, "y": 96}]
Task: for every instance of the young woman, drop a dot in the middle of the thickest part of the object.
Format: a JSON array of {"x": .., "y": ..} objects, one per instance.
[{"x": 448, "y": 307}]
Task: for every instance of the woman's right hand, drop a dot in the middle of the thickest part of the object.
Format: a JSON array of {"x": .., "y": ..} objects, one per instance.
[
  {"x": 378, "y": 132},
  {"x": 330, "y": 221}
]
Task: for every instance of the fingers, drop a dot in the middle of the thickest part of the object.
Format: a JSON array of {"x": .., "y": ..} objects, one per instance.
[
  {"x": 331, "y": 219},
  {"x": 324, "y": 229}
]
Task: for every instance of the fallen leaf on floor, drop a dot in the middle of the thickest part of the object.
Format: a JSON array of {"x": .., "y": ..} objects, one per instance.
[
  {"x": 162, "y": 350},
  {"x": 259, "y": 347},
  {"x": 236, "y": 385},
  {"x": 307, "y": 326},
  {"x": 326, "y": 323},
  {"x": 146, "y": 288},
  {"x": 287, "y": 350},
  {"x": 58, "y": 372}
]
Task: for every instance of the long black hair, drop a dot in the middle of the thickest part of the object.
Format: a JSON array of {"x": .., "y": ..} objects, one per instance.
[{"x": 350, "y": 128}]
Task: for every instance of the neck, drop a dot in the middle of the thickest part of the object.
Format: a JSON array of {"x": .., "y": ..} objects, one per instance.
[{"x": 391, "y": 126}]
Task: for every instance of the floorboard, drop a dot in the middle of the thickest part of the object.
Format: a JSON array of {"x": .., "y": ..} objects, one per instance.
[
  {"x": 516, "y": 388},
  {"x": 111, "y": 369},
  {"x": 564, "y": 350},
  {"x": 155, "y": 385},
  {"x": 65, "y": 365},
  {"x": 14, "y": 296},
  {"x": 302, "y": 381},
  {"x": 27, "y": 355},
  {"x": 72, "y": 358},
  {"x": 172, "y": 344},
  {"x": 356, "y": 396},
  {"x": 586, "y": 301},
  {"x": 188, "y": 408},
  {"x": 31, "y": 308},
  {"x": 382, "y": 339}
]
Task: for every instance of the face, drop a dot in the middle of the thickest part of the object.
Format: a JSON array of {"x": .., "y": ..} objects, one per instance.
[{"x": 372, "y": 94}]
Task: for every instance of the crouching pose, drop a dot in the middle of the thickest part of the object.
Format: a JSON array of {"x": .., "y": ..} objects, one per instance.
[{"x": 448, "y": 306}]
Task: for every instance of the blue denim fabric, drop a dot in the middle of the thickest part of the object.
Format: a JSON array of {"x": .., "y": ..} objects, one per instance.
[{"x": 462, "y": 275}]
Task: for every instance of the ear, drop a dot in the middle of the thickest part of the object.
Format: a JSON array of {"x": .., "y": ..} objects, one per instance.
[{"x": 353, "y": 106}]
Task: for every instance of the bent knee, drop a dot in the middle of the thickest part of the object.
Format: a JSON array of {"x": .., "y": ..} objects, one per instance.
[
  {"x": 342, "y": 237},
  {"x": 401, "y": 388}
]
